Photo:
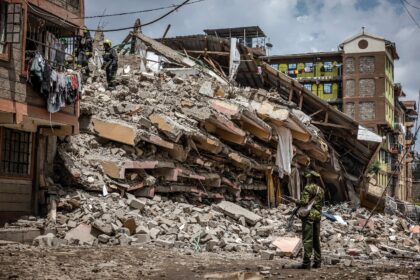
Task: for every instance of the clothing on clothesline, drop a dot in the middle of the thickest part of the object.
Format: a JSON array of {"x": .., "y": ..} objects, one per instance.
[{"x": 59, "y": 89}]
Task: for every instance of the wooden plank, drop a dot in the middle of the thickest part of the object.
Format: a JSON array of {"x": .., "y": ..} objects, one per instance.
[
  {"x": 209, "y": 52},
  {"x": 15, "y": 197},
  {"x": 15, "y": 188},
  {"x": 330, "y": 125},
  {"x": 173, "y": 55},
  {"x": 18, "y": 207},
  {"x": 317, "y": 112}
]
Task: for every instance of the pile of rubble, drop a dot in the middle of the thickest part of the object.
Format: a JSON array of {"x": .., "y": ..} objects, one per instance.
[
  {"x": 170, "y": 134},
  {"x": 86, "y": 219}
]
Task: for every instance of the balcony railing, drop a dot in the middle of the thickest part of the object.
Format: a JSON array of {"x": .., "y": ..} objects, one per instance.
[{"x": 69, "y": 5}]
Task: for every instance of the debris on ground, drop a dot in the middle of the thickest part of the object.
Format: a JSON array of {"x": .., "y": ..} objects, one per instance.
[{"x": 93, "y": 220}]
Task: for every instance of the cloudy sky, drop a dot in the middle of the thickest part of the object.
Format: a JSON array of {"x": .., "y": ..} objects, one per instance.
[{"x": 292, "y": 25}]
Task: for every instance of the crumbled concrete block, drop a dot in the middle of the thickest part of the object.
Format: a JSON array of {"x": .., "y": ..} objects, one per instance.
[
  {"x": 48, "y": 240},
  {"x": 82, "y": 233},
  {"x": 288, "y": 246},
  {"x": 142, "y": 230},
  {"x": 124, "y": 239},
  {"x": 267, "y": 255},
  {"x": 165, "y": 243},
  {"x": 137, "y": 204},
  {"x": 141, "y": 238},
  {"x": 103, "y": 238},
  {"x": 206, "y": 89},
  {"x": 102, "y": 227},
  {"x": 154, "y": 232}
]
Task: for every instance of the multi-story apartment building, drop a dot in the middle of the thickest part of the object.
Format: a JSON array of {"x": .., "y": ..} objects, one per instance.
[
  {"x": 33, "y": 35},
  {"x": 358, "y": 79},
  {"x": 410, "y": 118},
  {"x": 368, "y": 90},
  {"x": 319, "y": 72}
]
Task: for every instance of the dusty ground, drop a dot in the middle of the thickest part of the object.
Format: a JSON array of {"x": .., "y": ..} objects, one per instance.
[{"x": 147, "y": 262}]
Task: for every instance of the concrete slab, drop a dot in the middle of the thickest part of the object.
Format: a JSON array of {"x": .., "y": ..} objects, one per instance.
[
  {"x": 115, "y": 131},
  {"x": 235, "y": 211},
  {"x": 21, "y": 235}
]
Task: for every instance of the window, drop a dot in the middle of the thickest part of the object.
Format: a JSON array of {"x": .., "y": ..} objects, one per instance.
[
  {"x": 309, "y": 67},
  {"x": 292, "y": 66},
  {"x": 367, "y": 111},
  {"x": 327, "y": 88},
  {"x": 3, "y": 17},
  {"x": 367, "y": 64},
  {"x": 350, "y": 88},
  {"x": 367, "y": 87},
  {"x": 328, "y": 66},
  {"x": 13, "y": 23},
  {"x": 308, "y": 86},
  {"x": 16, "y": 153},
  {"x": 349, "y": 65},
  {"x": 363, "y": 44}
]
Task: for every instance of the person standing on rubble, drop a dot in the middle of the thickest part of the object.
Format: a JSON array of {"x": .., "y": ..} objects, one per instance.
[
  {"x": 110, "y": 64},
  {"x": 84, "y": 49},
  {"x": 313, "y": 194}
]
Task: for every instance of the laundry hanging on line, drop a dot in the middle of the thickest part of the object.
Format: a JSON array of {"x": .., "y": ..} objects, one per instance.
[{"x": 59, "y": 89}]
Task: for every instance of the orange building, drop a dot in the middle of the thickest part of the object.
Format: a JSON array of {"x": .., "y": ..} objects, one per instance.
[{"x": 46, "y": 29}]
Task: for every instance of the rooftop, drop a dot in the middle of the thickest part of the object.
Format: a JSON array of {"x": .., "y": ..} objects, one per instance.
[
  {"x": 248, "y": 31},
  {"x": 388, "y": 44}
]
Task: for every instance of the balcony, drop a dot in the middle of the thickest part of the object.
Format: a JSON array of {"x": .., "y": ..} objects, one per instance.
[{"x": 398, "y": 128}]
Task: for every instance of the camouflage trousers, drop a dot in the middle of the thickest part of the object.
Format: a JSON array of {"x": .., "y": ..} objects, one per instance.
[
  {"x": 110, "y": 76},
  {"x": 311, "y": 241}
]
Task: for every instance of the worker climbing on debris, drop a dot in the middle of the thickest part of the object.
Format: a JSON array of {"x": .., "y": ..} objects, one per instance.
[
  {"x": 110, "y": 65},
  {"x": 310, "y": 213},
  {"x": 84, "y": 49}
]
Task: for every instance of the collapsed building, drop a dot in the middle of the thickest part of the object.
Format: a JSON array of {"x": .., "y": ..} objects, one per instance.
[
  {"x": 237, "y": 125},
  {"x": 212, "y": 121}
]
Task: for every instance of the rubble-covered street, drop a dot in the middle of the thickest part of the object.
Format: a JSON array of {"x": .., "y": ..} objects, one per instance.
[
  {"x": 151, "y": 262},
  {"x": 108, "y": 237}
]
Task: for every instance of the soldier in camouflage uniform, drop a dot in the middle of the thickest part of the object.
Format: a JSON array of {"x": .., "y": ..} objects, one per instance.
[{"x": 312, "y": 223}]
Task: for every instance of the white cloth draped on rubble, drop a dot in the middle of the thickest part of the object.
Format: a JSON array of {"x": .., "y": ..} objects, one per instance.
[
  {"x": 294, "y": 183},
  {"x": 284, "y": 151}
]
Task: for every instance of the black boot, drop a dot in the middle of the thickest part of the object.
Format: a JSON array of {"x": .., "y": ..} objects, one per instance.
[
  {"x": 316, "y": 265},
  {"x": 305, "y": 266}
]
